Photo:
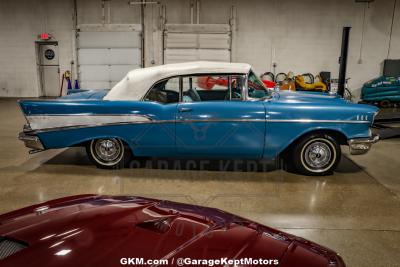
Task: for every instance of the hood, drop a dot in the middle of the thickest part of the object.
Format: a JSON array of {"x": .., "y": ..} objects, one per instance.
[
  {"x": 334, "y": 107},
  {"x": 90, "y": 230},
  {"x": 307, "y": 97}
]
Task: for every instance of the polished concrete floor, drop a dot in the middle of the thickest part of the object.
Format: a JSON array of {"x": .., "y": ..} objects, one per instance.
[{"x": 356, "y": 211}]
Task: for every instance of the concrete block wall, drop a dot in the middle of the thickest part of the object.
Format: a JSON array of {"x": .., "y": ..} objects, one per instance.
[{"x": 301, "y": 36}]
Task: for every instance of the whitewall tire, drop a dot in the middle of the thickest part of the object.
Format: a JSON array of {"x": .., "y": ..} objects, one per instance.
[
  {"x": 107, "y": 153},
  {"x": 316, "y": 154}
]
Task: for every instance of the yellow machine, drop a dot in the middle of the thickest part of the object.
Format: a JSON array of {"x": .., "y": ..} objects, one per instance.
[{"x": 317, "y": 86}]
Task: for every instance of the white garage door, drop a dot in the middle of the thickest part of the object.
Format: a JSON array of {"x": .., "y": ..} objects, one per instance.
[
  {"x": 105, "y": 57},
  {"x": 197, "y": 42}
]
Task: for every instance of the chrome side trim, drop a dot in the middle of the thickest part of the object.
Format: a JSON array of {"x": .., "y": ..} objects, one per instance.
[
  {"x": 38, "y": 122},
  {"x": 210, "y": 120},
  {"x": 272, "y": 120},
  {"x": 139, "y": 122},
  {"x": 88, "y": 114},
  {"x": 74, "y": 127},
  {"x": 218, "y": 120},
  {"x": 359, "y": 146},
  {"x": 315, "y": 121},
  {"x": 182, "y": 120}
]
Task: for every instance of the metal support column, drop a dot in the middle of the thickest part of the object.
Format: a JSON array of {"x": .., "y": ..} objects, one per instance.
[{"x": 343, "y": 60}]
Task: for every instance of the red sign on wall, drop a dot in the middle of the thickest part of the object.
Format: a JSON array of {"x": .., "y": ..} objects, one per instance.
[{"x": 44, "y": 36}]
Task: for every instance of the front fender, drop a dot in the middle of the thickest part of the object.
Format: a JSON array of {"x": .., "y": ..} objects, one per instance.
[
  {"x": 291, "y": 116},
  {"x": 282, "y": 135}
]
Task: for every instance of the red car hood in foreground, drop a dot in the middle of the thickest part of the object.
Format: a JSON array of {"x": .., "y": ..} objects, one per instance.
[{"x": 90, "y": 230}]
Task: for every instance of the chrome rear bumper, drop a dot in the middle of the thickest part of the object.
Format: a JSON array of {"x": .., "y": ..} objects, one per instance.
[
  {"x": 359, "y": 146},
  {"x": 31, "y": 141}
]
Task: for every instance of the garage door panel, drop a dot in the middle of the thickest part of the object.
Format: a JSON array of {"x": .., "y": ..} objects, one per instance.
[
  {"x": 214, "y": 55},
  {"x": 105, "y": 57},
  {"x": 205, "y": 40},
  {"x": 117, "y": 72},
  {"x": 181, "y": 40},
  {"x": 94, "y": 73},
  {"x": 180, "y": 55},
  {"x": 109, "y": 39},
  {"x": 197, "y": 45},
  {"x": 126, "y": 56},
  {"x": 214, "y": 41},
  {"x": 93, "y": 56}
]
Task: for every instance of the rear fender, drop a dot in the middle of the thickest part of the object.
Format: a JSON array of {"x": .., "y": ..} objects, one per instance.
[{"x": 79, "y": 137}]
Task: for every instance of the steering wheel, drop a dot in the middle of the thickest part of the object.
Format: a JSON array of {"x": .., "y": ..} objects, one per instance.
[{"x": 235, "y": 95}]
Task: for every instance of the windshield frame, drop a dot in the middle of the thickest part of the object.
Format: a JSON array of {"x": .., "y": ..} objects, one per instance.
[{"x": 246, "y": 89}]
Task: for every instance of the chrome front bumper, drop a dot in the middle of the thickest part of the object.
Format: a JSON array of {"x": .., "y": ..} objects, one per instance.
[
  {"x": 31, "y": 141},
  {"x": 359, "y": 146}
]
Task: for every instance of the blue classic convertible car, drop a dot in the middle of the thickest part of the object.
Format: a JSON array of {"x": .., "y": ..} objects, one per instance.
[{"x": 203, "y": 110}]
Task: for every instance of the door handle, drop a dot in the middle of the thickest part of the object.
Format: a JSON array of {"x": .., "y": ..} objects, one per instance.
[{"x": 182, "y": 109}]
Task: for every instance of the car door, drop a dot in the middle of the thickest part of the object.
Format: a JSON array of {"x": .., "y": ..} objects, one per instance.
[
  {"x": 218, "y": 124},
  {"x": 159, "y": 104}
]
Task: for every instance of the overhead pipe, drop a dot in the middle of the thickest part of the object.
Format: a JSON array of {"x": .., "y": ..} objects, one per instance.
[
  {"x": 103, "y": 14},
  {"x": 233, "y": 29},
  {"x": 191, "y": 13},
  {"x": 109, "y": 12},
  {"x": 142, "y": 31},
  {"x": 74, "y": 61},
  {"x": 198, "y": 11},
  {"x": 343, "y": 60},
  {"x": 391, "y": 28},
  {"x": 143, "y": 3}
]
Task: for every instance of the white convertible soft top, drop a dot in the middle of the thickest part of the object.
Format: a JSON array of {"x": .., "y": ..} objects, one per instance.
[{"x": 137, "y": 82}]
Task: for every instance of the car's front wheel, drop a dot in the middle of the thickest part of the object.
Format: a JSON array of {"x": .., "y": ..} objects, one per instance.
[
  {"x": 385, "y": 103},
  {"x": 108, "y": 153},
  {"x": 316, "y": 154}
]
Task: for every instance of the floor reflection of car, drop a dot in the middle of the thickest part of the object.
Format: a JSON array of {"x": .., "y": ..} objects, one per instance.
[
  {"x": 90, "y": 230},
  {"x": 203, "y": 110}
]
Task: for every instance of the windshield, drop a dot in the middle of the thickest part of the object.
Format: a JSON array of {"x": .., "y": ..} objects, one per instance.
[{"x": 256, "y": 88}]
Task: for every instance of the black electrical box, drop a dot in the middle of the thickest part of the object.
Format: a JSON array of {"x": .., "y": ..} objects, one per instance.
[
  {"x": 325, "y": 77},
  {"x": 391, "y": 67}
]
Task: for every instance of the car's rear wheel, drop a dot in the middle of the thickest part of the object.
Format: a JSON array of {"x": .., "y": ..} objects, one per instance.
[
  {"x": 108, "y": 153},
  {"x": 316, "y": 154}
]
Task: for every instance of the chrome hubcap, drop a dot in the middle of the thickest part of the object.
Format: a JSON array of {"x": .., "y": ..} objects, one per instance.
[
  {"x": 317, "y": 155},
  {"x": 108, "y": 150}
]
